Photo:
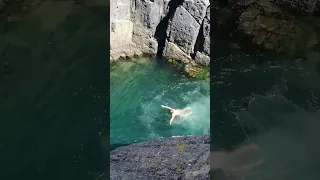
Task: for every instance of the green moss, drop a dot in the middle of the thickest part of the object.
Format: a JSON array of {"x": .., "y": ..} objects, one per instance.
[
  {"x": 173, "y": 61},
  {"x": 296, "y": 43},
  {"x": 203, "y": 74}
]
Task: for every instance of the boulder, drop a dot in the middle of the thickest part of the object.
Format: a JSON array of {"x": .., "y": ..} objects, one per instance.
[
  {"x": 266, "y": 24},
  {"x": 202, "y": 59},
  {"x": 146, "y": 16},
  {"x": 170, "y": 158},
  {"x": 183, "y": 30}
]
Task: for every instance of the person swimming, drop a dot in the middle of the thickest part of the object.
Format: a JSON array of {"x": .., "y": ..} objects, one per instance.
[{"x": 178, "y": 112}]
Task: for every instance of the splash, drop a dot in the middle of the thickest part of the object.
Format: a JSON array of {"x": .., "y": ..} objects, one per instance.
[
  {"x": 136, "y": 96},
  {"x": 197, "y": 98}
]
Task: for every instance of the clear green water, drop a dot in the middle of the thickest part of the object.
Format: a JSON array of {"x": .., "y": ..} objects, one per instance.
[{"x": 137, "y": 91}]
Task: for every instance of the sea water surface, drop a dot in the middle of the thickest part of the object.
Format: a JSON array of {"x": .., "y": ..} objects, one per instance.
[
  {"x": 137, "y": 91},
  {"x": 54, "y": 93},
  {"x": 266, "y": 117}
]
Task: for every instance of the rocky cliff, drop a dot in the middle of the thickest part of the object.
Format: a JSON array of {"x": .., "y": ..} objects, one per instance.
[
  {"x": 182, "y": 158},
  {"x": 178, "y": 29}
]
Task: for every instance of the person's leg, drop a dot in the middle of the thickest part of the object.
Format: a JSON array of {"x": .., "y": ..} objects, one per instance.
[{"x": 171, "y": 120}]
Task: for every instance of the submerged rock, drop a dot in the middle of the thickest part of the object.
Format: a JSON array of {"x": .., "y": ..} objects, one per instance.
[{"x": 170, "y": 158}]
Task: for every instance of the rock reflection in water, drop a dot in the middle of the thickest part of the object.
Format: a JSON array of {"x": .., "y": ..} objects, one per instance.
[{"x": 268, "y": 128}]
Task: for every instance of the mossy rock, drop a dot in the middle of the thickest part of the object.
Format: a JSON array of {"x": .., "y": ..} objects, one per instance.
[
  {"x": 203, "y": 74},
  {"x": 173, "y": 61},
  {"x": 197, "y": 72},
  {"x": 297, "y": 43}
]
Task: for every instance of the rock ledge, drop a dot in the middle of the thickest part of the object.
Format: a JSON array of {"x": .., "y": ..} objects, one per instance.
[{"x": 184, "y": 158}]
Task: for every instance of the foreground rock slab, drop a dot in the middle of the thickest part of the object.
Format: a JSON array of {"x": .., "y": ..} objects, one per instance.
[{"x": 184, "y": 158}]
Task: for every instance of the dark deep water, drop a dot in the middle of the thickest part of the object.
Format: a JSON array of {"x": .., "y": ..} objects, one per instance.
[
  {"x": 266, "y": 118},
  {"x": 54, "y": 93}
]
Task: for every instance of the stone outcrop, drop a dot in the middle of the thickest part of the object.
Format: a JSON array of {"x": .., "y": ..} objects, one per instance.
[
  {"x": 178, "y": 29},
  {"x": 182, "y": 158},
  {"x": 266, "y": 24},
  {"x": 121, "y": 29},
  {"x": 274, "y": 25}
]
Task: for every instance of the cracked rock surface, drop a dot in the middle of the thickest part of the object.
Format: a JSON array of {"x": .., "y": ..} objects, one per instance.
[{"x": 184, "y": 158}]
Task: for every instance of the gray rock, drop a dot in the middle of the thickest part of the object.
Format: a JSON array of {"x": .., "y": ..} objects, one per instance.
[
  {"x": 197, "y": 8},
  {"x": 206, "y": 32},
  {"x": 149, "y": 13},
  {"x": 120, "y": 10},
  {"x": 269, "y": 7},
  {"x": 172, "y": 158},
  {"x": 171, "y": 50},
  {"x": 202, "y": 59},
  {"x": 146, "y": 15},
  {"x": 183, "y": 30}
]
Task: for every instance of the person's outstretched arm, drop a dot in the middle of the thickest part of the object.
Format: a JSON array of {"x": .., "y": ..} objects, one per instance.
[
  {"x": 166, "y": 107},
  {"x": 171, "y": 120}
]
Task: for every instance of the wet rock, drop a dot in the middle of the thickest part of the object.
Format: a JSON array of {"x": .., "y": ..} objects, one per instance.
[
  {"x": 193, "y": 71},
  {"x": 129, "y": 51},
  {"x": 171, "y": 158}
]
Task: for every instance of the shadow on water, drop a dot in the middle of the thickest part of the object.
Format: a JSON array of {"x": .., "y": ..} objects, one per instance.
[
  {"x": 54, "y": 93},
  {"x": 266, "y": 118}
]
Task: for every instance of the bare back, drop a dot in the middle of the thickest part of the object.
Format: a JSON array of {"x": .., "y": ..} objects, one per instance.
[{"x": 183, "y": 112}]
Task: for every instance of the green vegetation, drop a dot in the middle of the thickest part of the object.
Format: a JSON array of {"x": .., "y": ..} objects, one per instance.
[
  {"x": 173, "y": 61},
  {"x": 203, "y": 74}
]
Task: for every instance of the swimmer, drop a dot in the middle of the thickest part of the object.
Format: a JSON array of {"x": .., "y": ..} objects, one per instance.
[{"x": 178, "y": 112}]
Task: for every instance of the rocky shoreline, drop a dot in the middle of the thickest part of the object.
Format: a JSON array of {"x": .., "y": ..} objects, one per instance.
[
  {"x": 177, "y": 30},
  {"x": 182, "y": 158}
]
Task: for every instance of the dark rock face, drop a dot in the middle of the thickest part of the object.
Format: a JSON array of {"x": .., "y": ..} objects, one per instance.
[
  {"x": 184, "y": 158},
  {"x": 266, "y": 24},
  {"x": 301, "y": 6}
]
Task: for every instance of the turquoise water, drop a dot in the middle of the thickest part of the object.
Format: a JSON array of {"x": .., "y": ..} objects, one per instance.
[{"x": 137, "y": 91}]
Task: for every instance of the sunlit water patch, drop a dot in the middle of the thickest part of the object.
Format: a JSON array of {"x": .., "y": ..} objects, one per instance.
[{"x": 137, "y": 91}]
